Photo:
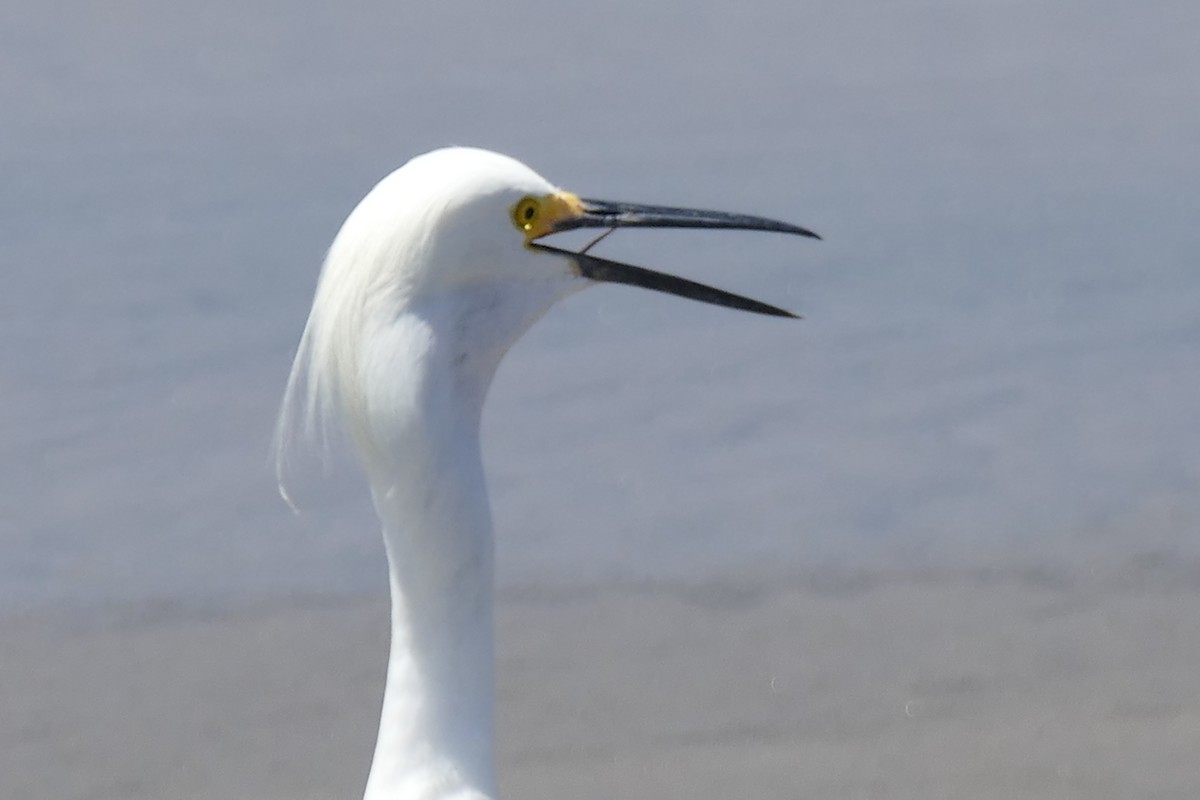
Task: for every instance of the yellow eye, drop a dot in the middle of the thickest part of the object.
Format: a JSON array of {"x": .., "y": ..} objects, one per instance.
[{"x": 525, "y": 213}]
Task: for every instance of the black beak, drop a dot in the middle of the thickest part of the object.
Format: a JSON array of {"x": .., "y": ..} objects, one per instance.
[{"x": 603, "y": 214}]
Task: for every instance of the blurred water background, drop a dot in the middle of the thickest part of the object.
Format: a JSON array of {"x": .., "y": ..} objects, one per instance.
[{"x": 1000, "y": 361}]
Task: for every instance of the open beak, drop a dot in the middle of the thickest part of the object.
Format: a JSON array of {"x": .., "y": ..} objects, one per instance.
[{"x": 580, "y": 213}]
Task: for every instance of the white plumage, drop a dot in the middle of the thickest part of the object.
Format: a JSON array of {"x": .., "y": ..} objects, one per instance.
[{"x": 432, "y": 277}]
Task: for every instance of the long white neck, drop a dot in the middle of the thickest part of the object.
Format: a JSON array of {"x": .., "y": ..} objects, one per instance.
[
  {"x": 427, "y": 371},
  {"x": 437, "y": 725}
]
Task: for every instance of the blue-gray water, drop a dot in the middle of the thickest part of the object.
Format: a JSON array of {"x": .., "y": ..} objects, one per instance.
[{"x": 1001, "y": 356}]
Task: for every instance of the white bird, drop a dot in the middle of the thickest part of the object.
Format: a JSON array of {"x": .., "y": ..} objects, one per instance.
[{"x": 430, "y": 280}]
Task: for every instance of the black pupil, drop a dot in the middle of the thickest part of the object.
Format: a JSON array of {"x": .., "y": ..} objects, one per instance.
[{"x": 528, "y": 212}]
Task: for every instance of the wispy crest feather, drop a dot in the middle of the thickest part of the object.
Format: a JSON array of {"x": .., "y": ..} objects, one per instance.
[{"x": 358, "y": 283}]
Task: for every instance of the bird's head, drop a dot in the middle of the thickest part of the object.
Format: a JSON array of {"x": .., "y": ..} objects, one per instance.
[
  {"x": 460, "y": 217},
  {"x": 452, "y": 248}
]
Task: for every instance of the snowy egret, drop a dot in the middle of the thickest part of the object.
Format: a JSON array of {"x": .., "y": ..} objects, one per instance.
[{"x": 430, "y": 280}]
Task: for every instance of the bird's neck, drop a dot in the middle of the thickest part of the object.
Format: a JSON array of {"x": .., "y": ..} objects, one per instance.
[
  {"x": 437, "y": 724},
  {"x": 436, "y": 734}
]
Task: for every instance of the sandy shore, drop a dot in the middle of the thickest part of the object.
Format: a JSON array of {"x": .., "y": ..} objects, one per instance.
[{"x": 1018, "y": 684}]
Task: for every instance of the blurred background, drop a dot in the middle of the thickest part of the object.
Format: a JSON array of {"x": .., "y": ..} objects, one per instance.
[
  {"x": 998, "y": 369},
  {"x": 1000, "y": 352}
]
